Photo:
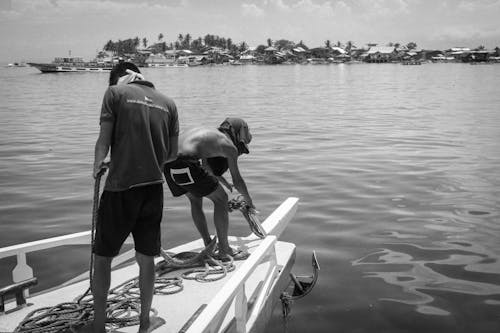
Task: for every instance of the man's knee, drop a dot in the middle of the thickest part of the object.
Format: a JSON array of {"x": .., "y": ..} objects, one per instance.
[
  {"x": 196, "y": 202},
  {"x": 219, "y": 196},
  {"x": 143, "y": 259}
]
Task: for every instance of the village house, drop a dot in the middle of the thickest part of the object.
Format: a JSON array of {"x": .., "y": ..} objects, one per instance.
[
  {"x": 457, "y": 52},
  {"x": 380, "y": 54}
]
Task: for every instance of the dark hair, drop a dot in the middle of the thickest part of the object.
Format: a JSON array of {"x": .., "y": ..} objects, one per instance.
[{"x": 119, "y": 70}]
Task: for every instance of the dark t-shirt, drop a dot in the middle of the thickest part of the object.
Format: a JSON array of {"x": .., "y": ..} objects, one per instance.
[{"x": 144, "y": 121}]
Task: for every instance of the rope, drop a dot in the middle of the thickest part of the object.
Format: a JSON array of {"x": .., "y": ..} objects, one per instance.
[
  {"x": 95, "y": 209},
  {"x": 250, "y": 214},
  {"x": 123, "y": 302},
  {"x": 212, "y": 267},
  {"x": 236, "y": 203},
  {"x": 123, "y": 308}
]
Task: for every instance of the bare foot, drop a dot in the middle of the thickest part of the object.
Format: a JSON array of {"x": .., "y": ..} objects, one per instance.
[
  {"x": 236, "y": 254},
  {"x": 154, "y": 323}
]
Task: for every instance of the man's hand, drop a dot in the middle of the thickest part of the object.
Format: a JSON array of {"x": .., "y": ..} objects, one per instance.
[
  {"x": 249, "y": 203},
  {"x": 100, "y": 168}
]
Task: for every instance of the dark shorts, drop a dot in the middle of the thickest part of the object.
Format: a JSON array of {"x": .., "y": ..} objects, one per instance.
[
  {"x": 187, "y": 175},
  {"x": 138, "y": 211},
  {"x": 219, "y": 165}
]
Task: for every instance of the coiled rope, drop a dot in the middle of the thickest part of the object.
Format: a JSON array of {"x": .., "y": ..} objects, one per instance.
[
  {"x": 250, "y": 215},
  {"x": 123, "y": 302},
  {"x": 212, "y": 267},
  {"x": 122, "y": 308}
]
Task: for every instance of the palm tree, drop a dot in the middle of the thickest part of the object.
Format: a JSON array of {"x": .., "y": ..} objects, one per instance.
[
  {"x": 187, "y": 41},
  {"x": 109, "y": 46},
  {"x": 144, "y": 42},
  {"x": 207, "y": 39},
  {"x": 411, "y": 45},
  {"x": 243, "y": 47},
  {"x": 348, "y": 46},
  {"x": 302, "y": 45}
]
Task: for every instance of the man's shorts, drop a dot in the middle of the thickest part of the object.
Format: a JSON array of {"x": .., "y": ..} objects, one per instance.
[
  {"x": 138, "y": 211},
  {"x": 187, "y": 175}
]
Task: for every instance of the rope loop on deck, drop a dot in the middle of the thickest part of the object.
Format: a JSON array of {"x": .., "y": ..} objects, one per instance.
[
  {"x": 123, "y": 302},
  {"x": 123, "y": 308},
  {"x": 212, "y": 267}
]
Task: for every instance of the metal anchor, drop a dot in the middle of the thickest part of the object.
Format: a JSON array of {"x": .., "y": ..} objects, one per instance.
[{"x": 302, "y": 286}]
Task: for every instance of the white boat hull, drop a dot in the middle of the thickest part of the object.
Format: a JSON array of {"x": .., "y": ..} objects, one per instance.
[{"x": 240, "y": 302}]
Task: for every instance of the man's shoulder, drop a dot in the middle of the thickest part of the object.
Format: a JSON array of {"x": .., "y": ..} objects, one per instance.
[
  {"x": 166, "y": 99},
  {"x": 203, "y": 133},
  {"x": 208, "y": 142}
]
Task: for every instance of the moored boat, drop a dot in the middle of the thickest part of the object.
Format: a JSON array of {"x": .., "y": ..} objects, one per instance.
[
  {"x": 72, "y": 64},
  {"x": 167, "y": 65},
  {"x": 240, "y": 300},
  {"x": 16, "y": 64}
]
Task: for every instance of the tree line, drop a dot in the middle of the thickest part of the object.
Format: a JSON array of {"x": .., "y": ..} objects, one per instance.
[
  {"x": 201, "y": 44},
  {"x": 183, "y": 42}
]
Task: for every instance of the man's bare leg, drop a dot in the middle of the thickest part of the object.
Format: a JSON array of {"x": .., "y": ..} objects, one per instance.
[
  {"x": 221, "y": 219},
  {"x": 100, "y": 288},
  {"x": 199, "y": 218},
  {"x": 146, "y": 286}
]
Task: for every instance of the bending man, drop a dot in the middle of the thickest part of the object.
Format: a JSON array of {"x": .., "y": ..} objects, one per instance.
[{"x": 203, "y": 156}]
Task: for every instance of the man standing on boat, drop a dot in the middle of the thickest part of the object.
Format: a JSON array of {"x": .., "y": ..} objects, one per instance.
[
  {"x": 140, "y": 127},
  {"x": 204, "y": 155}
]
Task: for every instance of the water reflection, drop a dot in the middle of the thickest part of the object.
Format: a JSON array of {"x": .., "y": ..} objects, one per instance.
[
  {"x": 396, "y": 168},
  {"x": 451, "y": 267}
]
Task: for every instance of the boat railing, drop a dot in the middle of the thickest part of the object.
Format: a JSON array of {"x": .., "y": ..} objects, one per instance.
[
  {"x": 231, "y": 302},
  {"x": 22, "y": 271}
]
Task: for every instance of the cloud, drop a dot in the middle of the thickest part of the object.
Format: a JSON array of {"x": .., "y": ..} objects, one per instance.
[
  {"x": 478, "y": 5},
  {"x": 465, "y": 32},
  {"x": 251, "y": 10}
]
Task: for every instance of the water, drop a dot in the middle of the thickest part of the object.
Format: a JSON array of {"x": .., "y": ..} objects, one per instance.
[{"x": 396, "y": 168}]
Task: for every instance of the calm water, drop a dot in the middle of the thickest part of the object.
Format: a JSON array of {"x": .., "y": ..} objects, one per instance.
[{"x": 397, "y": 168}]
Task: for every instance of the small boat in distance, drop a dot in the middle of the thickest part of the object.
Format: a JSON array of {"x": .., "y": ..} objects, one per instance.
[
  {"x": 167, "y": 65},
  {"x": 72, "y": 64},
  {"x": 16, "y": 64}
]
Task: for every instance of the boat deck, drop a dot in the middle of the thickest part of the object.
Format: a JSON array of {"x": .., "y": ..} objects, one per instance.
[{"x": 181, "y": 308}]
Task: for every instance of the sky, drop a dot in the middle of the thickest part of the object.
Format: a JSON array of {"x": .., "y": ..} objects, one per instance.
[{"x": 39, "y": 30}]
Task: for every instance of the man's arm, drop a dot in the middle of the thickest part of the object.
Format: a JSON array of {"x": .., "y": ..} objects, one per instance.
[
  {"x": 102, "y": 146},
  {"x": 222, "y": 180},
  {"x": 173, "y": 142},
  {"x": 232, "y": 158}
]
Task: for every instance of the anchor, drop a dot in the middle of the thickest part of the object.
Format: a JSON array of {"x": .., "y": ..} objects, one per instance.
[{"x": 302, "y": 286}]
